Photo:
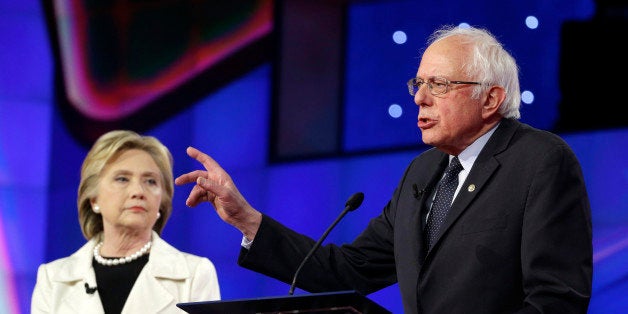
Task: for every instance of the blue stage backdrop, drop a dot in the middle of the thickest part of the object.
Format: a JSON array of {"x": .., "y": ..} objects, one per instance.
[{"x": 229, "y": 109}]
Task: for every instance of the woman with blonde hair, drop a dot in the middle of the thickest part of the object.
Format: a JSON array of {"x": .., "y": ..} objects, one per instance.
[{"x": 124, "y": 201}]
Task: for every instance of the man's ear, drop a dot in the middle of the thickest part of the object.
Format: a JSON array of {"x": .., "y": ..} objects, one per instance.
[{"x": 494, "y": 98}]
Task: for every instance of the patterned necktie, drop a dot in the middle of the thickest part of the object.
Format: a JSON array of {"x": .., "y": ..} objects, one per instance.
[{"x": 442, "y": 201}]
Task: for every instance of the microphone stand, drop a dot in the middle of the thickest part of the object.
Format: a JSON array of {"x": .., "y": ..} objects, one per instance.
[{"x": 352, "y": 203}]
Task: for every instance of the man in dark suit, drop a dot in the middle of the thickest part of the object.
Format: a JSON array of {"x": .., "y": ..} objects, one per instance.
[{"x": 516, "y": 238}]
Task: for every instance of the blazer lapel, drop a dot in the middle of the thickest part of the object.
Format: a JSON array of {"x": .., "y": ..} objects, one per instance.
[
  {"x": 75, "y": 273},
  {"x": 148, "y": 295},
  {"x": 79, "y": 301},
  {"x": 150, "y": 292},
  {"x": 474, "y": 183},
  {"x": 483, "y": 168}
]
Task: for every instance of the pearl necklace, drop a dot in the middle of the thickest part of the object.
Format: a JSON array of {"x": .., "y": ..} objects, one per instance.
[{"x": 122, "y": 260}]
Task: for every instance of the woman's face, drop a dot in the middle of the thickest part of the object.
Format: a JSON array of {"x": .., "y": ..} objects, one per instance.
[{"x": 129, "y": 193}]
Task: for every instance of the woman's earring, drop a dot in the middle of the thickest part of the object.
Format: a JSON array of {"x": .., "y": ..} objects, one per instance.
[
  {"x": 158, "y": 215},
  {"x": 96, "y": 208}
]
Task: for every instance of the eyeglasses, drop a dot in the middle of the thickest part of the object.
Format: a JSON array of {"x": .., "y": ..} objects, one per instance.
[{"x": 437, "y": 85}]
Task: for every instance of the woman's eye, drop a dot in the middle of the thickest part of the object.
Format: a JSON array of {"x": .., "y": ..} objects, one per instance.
[
  {"x": 121, "y": 179},
  {"x": 152, "y": 181}
]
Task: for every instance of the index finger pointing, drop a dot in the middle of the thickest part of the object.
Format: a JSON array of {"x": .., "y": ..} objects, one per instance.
[
  {"x": 201, "y": 157},
  {"x": 189, "y": 177}
]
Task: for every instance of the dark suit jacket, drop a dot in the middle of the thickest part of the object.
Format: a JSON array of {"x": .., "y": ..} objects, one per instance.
[{"x": 517, "y": 237}]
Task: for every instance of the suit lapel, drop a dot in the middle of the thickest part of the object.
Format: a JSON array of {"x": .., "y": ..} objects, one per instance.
[
  {"x": 148, "y": 295},
  {"x": 156, "y": 286},
  {"x": 74, "y": 273},
  {"x": 483, "y": 168},
  {"x": 79, "y": 301},
  {"x": 474, "y": 183}
]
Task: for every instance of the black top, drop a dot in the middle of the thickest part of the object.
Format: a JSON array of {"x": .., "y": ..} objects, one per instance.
[{"x": 115, "y": 282}]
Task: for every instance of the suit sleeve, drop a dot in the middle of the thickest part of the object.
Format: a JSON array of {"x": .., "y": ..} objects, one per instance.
[
  {"x": 556, "y": 249},
  {"x": 363, "y": 266},
  {"x": 205, "y": 285}
]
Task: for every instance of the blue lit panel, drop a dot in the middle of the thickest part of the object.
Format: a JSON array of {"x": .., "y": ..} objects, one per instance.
[{"x": 384, "y": 44}]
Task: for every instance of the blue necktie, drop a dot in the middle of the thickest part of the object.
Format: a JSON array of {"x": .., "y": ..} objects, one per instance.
[{"x": 442, "y": 201}]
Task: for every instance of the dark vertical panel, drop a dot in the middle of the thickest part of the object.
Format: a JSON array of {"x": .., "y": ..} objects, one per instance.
[
  {"x": 593, "y": 65},
  {"x": 308, "y": 78}
]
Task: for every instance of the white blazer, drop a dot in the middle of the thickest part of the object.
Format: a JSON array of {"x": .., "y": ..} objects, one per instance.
[{"x": 169, "y": 277}]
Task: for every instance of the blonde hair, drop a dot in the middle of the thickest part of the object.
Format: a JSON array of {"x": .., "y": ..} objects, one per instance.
[{"x": 106, "y": 149}]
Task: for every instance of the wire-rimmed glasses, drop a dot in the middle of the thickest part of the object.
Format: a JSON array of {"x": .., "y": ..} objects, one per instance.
[{"x": 437, "y": 85}]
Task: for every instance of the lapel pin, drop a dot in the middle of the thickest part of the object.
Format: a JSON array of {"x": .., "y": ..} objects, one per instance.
[{"x": 471, "y": 188}]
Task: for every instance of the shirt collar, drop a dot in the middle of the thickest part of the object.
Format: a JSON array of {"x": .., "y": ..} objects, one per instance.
[{"x": 468, "y": 156}]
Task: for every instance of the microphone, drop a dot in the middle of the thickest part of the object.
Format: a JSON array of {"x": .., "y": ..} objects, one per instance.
[
  {"x": 90, "y": 290},
  {"x": 352, "y": 204}
]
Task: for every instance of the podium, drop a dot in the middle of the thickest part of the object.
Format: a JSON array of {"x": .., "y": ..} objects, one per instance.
[{"x": 340, "y": 302}]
